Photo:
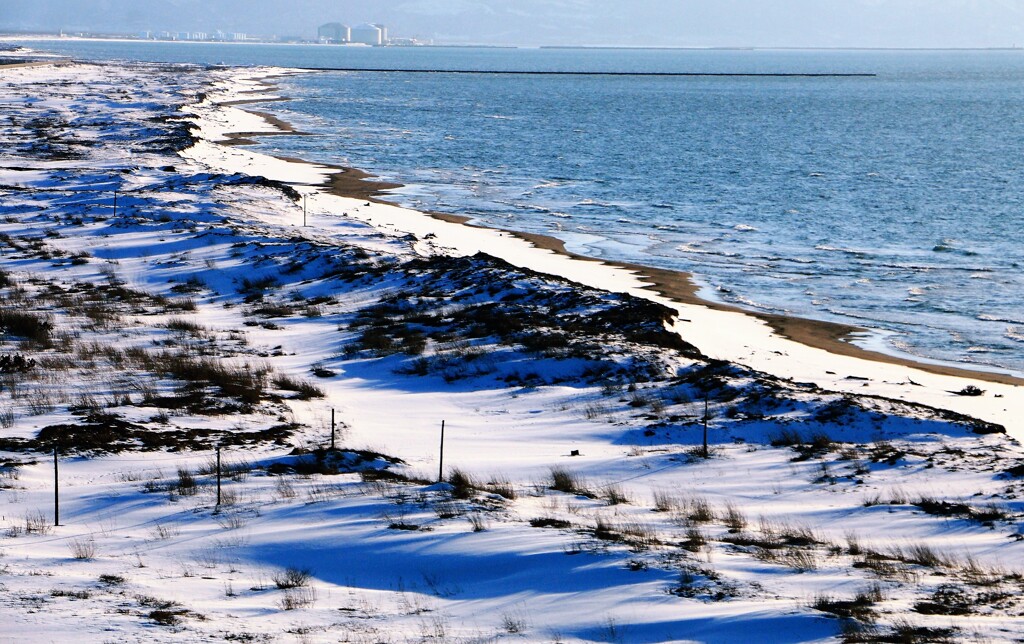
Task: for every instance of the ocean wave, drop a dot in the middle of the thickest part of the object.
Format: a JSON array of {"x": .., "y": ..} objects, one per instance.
[
  {"x": 593, "y": 203},
  {"x": 526, "y": 206},
  {"x": 985, "y": 317},
  {"x": 949, "y": 246},
  {"x": 846, "y": 251},
  {"x": 687, "y": 248},
  {"x": 744, "y": 228},
  {"x": 1015, "y": 333}
]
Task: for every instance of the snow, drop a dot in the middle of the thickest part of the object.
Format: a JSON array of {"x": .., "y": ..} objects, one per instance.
[
  {"x": 715, "y": 332},
  {"x": 628, "y": 555}
]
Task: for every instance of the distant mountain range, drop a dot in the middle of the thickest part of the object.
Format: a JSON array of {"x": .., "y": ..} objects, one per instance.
[{"x": 872, "y": 23}]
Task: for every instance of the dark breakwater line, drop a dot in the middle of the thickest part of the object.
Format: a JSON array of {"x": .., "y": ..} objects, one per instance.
[{"x": 566, "y": 73}]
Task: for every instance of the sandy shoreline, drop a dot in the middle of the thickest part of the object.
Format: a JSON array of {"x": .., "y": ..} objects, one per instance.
[
  {"x": 677, "y": 286},
  {"x": 4, "y": 65},
  {"x": 791, "y": 348}
]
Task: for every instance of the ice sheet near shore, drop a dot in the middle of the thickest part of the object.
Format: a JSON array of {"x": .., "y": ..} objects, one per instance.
[{"x": 200, "y": 311}]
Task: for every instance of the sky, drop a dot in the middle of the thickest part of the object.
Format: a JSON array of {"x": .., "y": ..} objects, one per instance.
[{"x": 676, "y": 23}]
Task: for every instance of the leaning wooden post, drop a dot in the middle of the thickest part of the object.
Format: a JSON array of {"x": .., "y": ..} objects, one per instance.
[
  {"x": 332, "y": 428},
  {"x": 218, "y": 476},
  {"x": 56, "y": 488},
  {"x": 705, "y": 425},
  {"x": 440, "y": 467}
]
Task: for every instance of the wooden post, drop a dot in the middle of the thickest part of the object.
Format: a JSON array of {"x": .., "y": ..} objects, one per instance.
[
  {"x": 218, "y": 476},
  {"x": 332, "y": 428},
  {"x": 304, "y": 210},
  {"x": 115, "y": 203},
  {"x": 705, "y": 425},
  {"x": 440, "y": 467},
  {"x": 56, "y": 489}
]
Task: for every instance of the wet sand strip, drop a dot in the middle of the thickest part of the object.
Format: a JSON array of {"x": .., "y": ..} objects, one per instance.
[{"x": 674, "y": 285}]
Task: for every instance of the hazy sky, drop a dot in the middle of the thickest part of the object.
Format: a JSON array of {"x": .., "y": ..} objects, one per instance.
[{"x": 832, "y": 23}]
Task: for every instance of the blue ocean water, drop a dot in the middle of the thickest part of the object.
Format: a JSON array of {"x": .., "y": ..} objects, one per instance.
[{"x": 893, "y": 201}]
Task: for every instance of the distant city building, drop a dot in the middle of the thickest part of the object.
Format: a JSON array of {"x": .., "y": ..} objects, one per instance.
[
  {"x": 367, "y": 35},
  {"x": 383, "y": 33},
  {"x": 334, "y": 32}
]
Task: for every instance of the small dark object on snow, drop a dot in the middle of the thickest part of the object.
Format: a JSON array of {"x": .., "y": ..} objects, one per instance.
[
  {"x": 16, "y": 363},
  {"x": 969, "y": 390},
  {"x": 575, "y": 452}
]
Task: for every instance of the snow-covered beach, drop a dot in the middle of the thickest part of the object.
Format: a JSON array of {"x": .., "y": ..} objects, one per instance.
[
  {"x": 182, "y": 304},
  {"x": 715, "y": 330}
]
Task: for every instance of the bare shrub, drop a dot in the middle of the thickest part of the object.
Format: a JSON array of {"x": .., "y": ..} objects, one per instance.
[
  {"x": 33, "y": 327},
  {"x": 734, "y": 519},
  {"x": 448, "y": 509},
  {"x": 232, "y": 520},
  {"x": 923, "y": 555},
  {"x": 296, "y": 598},
  {"x": 292, "y": 578},
  {"x": 615, "y": 495},
  {"x": 284, "y": 488},
  {"x": 185, "y": 327},
  {"x": 39, "y": 402},
  {"x": 165, "y": 531},
  {"x": 853, "y": 546},
  {"x": 699, "y": 510},
  {"x": 246, "y": 382},
  {"x": 37, "y": 523},
  {"x": 886, "y": 568},
  {"x": 605, "y": 530},
  {"x": 859, "y": 608},
  {"x": 502, "y": 487},
  {"x": 112, "y": 580},
  {"x": 82, "y": 549},
  {"x": 798, "y": 559},
  {"x": 695, "y": 539},
  {"x": 639, "y": 536},
  {"x": 463, "y": 484},
  {"x": 186, "y": 485},
  {"x": 665, "y": 501},
  {"x": 228, "y": 497},
  {"x": 563, "y": 480},
  {"x": 478, "y": 521},
  {"x": 304, "y": 389},
  {"x": 513, "y": 624}
]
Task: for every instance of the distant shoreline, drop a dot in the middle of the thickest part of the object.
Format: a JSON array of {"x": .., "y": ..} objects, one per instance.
[{"x": 43, "y": 36}]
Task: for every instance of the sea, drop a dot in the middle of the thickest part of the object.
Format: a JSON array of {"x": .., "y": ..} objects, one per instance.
[{"x": 891, "y": 199}]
